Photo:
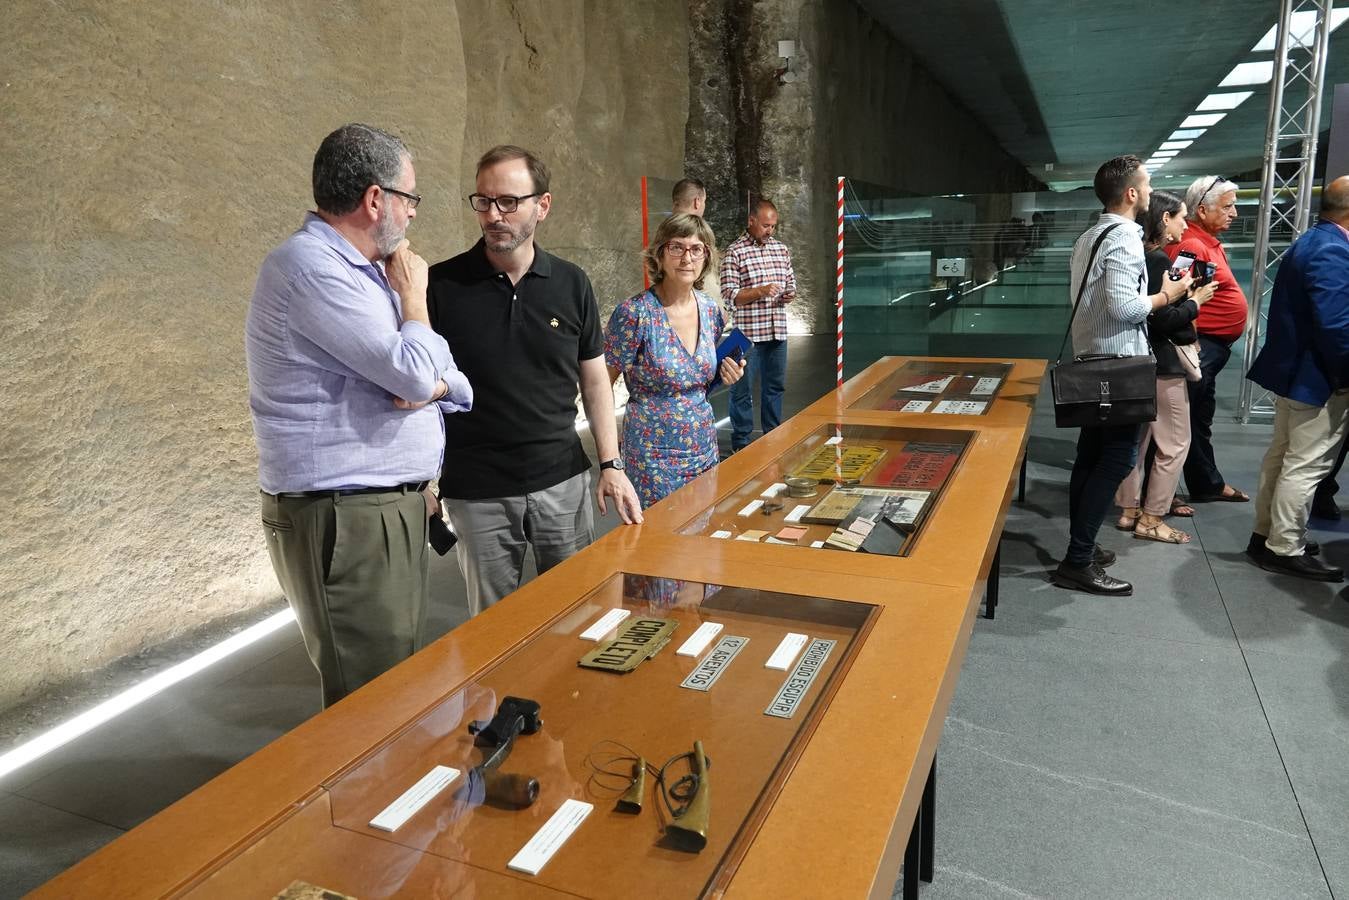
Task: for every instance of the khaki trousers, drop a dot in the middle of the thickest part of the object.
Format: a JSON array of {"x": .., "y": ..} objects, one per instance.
[
  {"x": 494, "y": 534},
  {"x": 1171, "y": 435},
  {"x": 1305, "y": 443},
  {"x": 353, "y": 568}
]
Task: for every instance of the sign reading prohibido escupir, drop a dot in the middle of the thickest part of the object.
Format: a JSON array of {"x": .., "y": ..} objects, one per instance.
[{"x": 798, "y": 683}]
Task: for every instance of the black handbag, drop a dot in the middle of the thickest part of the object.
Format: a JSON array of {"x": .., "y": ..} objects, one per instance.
[{"x": 1095, "y": 391}]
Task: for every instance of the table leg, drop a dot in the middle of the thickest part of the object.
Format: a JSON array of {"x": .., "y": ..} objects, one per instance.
[
  {"x": 994, "y": 576},
  {"x": 928, "y": 816},
  {"x": 1021, "y": 480},
  {"x": 909, "y": 879}
]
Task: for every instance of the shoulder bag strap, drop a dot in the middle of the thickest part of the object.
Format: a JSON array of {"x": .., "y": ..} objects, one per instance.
[{"x": 1086, "y": 273}]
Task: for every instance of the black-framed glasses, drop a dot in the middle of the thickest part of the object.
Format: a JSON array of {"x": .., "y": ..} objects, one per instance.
[
  {"x": 507, "y": 204},
  {"x": 693, "y": 251},
  {"x": 412, "y": 199},
  {"x": 1202, "y": 197}
]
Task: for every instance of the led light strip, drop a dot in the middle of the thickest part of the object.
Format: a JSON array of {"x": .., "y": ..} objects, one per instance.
[{"x": 87, "y": 721}]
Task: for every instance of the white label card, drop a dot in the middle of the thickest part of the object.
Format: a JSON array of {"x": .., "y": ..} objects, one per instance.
[
  {"x": 392, "y": 817},
  {"x": 699, "y": 640},
  {"x": 836, "y": 439},
  {"x": 961, "y": 407},
  {"x": 534, "y": 855},
  {"x": 605, "y": 624},
  {"x": 786, "y": 652},
  {"x": 722, "y": 535},
  {"x": 750, "y": 508},
  {"x": 985, "y": 386},
  {"x": 774, "y": 489},
  {"x": 932, "y": 387},
  {"x": 916, "y": 406},
  {"x": 796, "y": 514},
  {"x": 817, "y": 544}
]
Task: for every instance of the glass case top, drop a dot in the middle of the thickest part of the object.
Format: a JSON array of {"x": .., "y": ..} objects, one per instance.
[
  {"x": 855, "y": 488},
  {"x": 939, "y": 387},
  {"x": 708, "y": 691}
]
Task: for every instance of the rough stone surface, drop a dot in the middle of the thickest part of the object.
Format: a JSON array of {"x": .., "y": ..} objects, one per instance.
[
  {"x": 861, "y": 107},
  {"x": 156, "y": 152}
]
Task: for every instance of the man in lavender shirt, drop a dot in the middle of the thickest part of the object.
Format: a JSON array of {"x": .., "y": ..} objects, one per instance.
[{"x": 347, "y": 386}]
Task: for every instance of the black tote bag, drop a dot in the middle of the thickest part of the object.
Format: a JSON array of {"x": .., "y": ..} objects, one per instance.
[{"x": 1095, "y": 391}]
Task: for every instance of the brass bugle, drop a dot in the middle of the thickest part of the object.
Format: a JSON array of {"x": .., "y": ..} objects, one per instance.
[
  {"x": 689, "y": 830},
  {"x": 631, "y": 801}
]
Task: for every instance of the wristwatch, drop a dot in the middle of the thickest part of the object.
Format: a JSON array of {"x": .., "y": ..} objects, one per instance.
[{"x": 616, "y": 464}]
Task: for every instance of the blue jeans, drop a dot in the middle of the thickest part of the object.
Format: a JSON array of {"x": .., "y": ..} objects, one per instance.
[
  {"x": 767, "y": 362},
  {"x": 1105, "y": 457}
]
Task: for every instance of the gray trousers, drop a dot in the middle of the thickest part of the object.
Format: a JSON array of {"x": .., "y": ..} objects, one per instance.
[
  {"x": 493, "y": 535},
  {"x": 353, "y": 569}
]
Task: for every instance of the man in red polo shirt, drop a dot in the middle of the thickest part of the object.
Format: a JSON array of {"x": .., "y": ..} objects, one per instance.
[{"x": 1212, "y": 204}]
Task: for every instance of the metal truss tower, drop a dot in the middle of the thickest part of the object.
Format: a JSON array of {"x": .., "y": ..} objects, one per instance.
[{"x": 1287, "y": 182}]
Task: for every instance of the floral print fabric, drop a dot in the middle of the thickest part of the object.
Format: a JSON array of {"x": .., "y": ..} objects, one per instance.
[{"x": 669, "y": 435}]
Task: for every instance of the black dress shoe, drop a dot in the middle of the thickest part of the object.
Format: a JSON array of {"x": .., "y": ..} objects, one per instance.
[
  {"x": 1091, "y": 579},
  {"x": 1302, "y": 566},
  {"x": 1103, "y": 557},
  {"x": 1256, "y": 547},
  {"x": 1323, "y": 507}
]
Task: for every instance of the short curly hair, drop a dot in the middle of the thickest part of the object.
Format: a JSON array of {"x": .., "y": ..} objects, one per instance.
[
  {"x": 682, "y": 225},
  {"x": 351, "y": 159}
]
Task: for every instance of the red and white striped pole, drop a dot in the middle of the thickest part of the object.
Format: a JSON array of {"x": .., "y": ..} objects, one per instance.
[{"x": 839, "y": 285}]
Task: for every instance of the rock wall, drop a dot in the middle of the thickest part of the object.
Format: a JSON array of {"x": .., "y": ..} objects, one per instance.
[
  {"x": 155, "y": 153},
  {"x": 861, "y": 106}
]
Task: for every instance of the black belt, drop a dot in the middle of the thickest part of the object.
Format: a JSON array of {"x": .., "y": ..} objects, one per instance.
[{"x": 409, "y": 488}]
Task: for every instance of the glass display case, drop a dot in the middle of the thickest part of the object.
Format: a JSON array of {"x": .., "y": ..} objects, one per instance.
[
  {"x": 939, "y": 387},
  {"x": 856, "y": 488},
  {"x": 743, "y": 675}
]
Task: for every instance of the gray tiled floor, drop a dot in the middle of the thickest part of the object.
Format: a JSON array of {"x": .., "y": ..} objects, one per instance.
[{"x": 1184, "y": 742}]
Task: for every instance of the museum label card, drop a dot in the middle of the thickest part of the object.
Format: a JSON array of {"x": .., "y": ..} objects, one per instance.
[
  {"x": 605, "y": 624},
  {"x": 414, "y": 798},
  {"x": 797, "y": 512},
  {"x": 723, "y": 535},
  {"x": 534, "y": 855},
  {"x": 785, "y": 654},
  {"x": 985, "y": 387},
  {"x": 699, "y": 640},
  {"x": 961, "y": 407},
  {"x": 750, "y": 508},
  {"x": 774, "y": 489},
  {"x": 916, "y": 406}
]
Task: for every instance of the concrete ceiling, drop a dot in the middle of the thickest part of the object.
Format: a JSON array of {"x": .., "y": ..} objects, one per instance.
[{"x": 1075, "y": 82}]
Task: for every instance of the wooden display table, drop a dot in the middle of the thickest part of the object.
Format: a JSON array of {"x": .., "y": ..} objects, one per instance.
[{"x": 819, "y": 801}]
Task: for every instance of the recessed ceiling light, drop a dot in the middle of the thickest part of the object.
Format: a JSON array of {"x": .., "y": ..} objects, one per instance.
[
  {"x": 1206, "y": 120},
  {"x": 1184, "y": 134},
  {"x": 1249, "y": 73},
  {"x": 1302, "y": 30},
  {"x": 1164, "y": 154},
  {"x": 1175, "y": 145},
  {"x": 1223, "y": 101}
]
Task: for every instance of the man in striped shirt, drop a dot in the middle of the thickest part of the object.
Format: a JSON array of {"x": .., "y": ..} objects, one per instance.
[
  {"x": 1108, "y": 320},
  {"x": 757, "y": 280}
]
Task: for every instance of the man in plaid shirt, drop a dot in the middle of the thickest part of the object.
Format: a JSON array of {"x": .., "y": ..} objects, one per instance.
[{"x": 757, "y": 280}]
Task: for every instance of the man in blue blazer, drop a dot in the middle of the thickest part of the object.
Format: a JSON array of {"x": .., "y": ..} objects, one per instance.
[{"x": 1305, "y": 364}]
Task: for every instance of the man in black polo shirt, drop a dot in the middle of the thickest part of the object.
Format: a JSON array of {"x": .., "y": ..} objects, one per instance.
[{"x": 524, "y": 328}]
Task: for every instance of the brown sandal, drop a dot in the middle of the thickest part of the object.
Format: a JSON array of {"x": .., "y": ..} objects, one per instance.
[
  {"x": 1155, "y": 533},
  {"x": 1127, "y": 522}
]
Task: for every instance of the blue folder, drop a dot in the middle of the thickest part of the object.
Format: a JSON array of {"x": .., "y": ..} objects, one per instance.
[{"x": 734, "y": 344}]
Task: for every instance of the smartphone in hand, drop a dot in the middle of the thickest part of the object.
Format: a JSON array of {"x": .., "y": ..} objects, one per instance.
[{"x": 1184, "y": 260}]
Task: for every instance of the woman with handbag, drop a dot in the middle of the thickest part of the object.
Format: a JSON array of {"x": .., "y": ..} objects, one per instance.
[{"x": 1173, "y": 340}]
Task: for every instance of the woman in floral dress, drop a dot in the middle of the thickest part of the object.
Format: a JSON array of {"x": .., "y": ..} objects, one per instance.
[{"x": 663, "y": 342}]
